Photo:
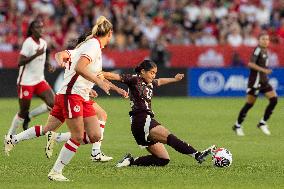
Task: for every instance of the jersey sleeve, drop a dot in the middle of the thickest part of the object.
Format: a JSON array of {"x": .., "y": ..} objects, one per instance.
[
  {"x": 255, "y": 54},
  {"x": 90, "y": 50},
  {"x": 128, "y": 79},
  {"x": 26, "y": 48}
]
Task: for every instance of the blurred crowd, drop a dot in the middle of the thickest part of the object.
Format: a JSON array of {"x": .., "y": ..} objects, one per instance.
[{"x": 145, "y": 23}]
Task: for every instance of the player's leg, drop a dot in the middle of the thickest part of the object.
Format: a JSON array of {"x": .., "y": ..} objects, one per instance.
[
  {"x": 18, "y": 119},
  {"x": 161, "y": 134},
  {"x": 97, "y": 154},
  {"x": 44, "y": 91},
  {"x": 250, "y": 100},
  {"x": 272, "y": 97}
]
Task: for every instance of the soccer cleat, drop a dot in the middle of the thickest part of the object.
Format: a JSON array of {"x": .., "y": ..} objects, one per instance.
[
  {"x": 9, "y": 143},
  {"x": 127, "y": 160},
  {"x": 100, "y": 157},
  {"x": 200, "y": 156},
  {"x": 54, "y": 176},
  {"x": 50, "y": 141},
  {"x": 26, "y": 122},
  {"x": 264, "y": 128},
  {"x": 238, "y": 130}
]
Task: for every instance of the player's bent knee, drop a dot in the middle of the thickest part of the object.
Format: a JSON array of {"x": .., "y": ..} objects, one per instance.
[{"x": 95, "y": 138}]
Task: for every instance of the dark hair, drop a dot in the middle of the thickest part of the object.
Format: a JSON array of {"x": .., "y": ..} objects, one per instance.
[
  {"x": 83, "y": 37},
  {"x": 31, "y": 27},
  {"x": 145, "y": 65}
]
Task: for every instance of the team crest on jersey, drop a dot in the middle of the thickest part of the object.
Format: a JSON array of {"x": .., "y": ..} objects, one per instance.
[
  {"x": 76, "y": 108},
  {"x": 26, "y": 93}
]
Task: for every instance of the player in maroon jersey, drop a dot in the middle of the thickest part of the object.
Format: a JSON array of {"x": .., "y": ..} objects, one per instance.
[
  {"x": 258, "y": 83},
  {"x": 146, "y": 130}
]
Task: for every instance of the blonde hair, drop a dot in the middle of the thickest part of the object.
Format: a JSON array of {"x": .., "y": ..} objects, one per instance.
[{"x": 102, "y": 27}]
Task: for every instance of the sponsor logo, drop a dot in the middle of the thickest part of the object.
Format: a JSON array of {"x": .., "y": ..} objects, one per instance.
[
  {"x": 76, "y": 108},
  {"x": 211, "y": 82},
  {"x": 26, "y": 93},
  {"x": 211, "y": 58}
]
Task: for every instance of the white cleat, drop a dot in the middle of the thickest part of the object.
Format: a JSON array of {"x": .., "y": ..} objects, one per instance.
[
  {"x": 9, "y": 143},
  {"x": 50, "y": 141},
  {"x": 126, "y": 161},
  {"x": 239, "y": 131},
  {"x": 264, "y": 128},
  {"x": 54, "y": 176},
  {"x": 100, "y": 157}
]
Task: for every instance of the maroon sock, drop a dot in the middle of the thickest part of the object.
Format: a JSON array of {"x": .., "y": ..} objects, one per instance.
[
  {"x": 150, "y": 160},
  {"x": 179, "y": 145}
]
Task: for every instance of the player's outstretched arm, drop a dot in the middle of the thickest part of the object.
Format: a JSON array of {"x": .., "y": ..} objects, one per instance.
[
  {"x": 115, "y": 88},
  {"x": 112, "y": 76},
  {"x": 164, "y": 81}
]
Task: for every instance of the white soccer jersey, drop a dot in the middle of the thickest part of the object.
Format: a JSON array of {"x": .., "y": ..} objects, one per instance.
[
  {"x": 33, "y": 72},
  {"x": 74, "y": 83}
]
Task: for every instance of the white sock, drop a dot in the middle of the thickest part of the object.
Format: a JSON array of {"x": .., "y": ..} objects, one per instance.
[
  {"x": 38, "y": 110},
  {"x": 30, "y": 133},
  {"x": 262, "y": 121},
  {"x": 237, "y": 124},
  {"x": 17, "y": 121},
  {"x": 66, "y": 154},
  {"x": 63, "y": 137},
  {"x": 97, "y": 145}
]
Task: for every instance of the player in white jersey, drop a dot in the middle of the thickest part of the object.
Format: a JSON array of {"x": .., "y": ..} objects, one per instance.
[{"x": 33, "y": 58}]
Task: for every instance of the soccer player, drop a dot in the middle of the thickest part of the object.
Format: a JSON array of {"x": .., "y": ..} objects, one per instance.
[
  {"x": 258, "y": 83},
  {"x": 33, "y": 58},
  {"x": 146, "y": 130}
]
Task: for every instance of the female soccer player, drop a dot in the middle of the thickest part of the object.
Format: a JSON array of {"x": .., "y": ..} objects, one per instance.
[
  {"x": 146, "y": 130},
  {"x": 258, "y": 83},
  {"x": 33, "y": 58}
]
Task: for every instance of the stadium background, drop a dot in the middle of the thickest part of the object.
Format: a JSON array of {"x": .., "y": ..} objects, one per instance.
[{"x": 179, "y": 35}]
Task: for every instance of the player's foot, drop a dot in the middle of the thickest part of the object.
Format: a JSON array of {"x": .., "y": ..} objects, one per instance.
[
  {"x": 50, "y": 141},
  {"x": 238, "y": 130},
  {"x": 264, "y": 128},
  {"x": 201, "y": 156},
  {"x": 26, "y": 122},
  {"x": 100, "y": 157},
  {"x": 9, "y": 143},
  {"x": 126, "y": 161},
  {"x": 54, "y": 176}
]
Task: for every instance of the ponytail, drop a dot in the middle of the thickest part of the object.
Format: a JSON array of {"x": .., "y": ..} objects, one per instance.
[{"x": 101, "y": 29}]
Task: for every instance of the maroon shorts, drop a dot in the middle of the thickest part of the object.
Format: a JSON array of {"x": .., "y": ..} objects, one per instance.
[
  {"x": 141, "y": 124},
  {"x": 71, "y": 106},
  {"x": 263, "y": 88},
  {"x": 26, "y": 92}
]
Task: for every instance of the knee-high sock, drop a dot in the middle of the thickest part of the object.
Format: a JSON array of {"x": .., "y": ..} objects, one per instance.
[
  {"x": 179, "y": 145},
  {"x": 63, "y": 137},
  {"x": 30, "y": 133},
  {"x": 150, "y": 160},
  {"x": 17, "y": 121},
  {"x": 38, "y": 110},
  {"x": 243, "y": 113},
  {"x": 97, "y": 145},
  {"x": 269, "y": 109},
  {"x": 66, "y": 154}
]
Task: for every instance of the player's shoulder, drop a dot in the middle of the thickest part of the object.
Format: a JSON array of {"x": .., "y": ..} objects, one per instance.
[
  {"x": 257, "y": 51},
  {"x": 93, "y": 42}
]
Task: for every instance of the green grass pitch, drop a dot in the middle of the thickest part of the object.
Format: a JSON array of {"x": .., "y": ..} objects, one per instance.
[{"x": 258, "y": 160}]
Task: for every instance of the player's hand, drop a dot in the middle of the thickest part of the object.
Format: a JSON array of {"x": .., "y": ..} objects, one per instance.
[
  {"x": 179, "y": 77},
  {"x": 267, "y": 71},
  {"x": 40, "y": 51},
  {"x": 122, "y": 92},
  {"x": 93, "y": 94},
  {"x": 104, "y": 86},
  {"x": 50, "y": 68}
]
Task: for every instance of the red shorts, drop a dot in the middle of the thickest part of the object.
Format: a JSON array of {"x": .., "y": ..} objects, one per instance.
[
  {"x": 26, "y": 92},
  {"x": 71, "y": 106}
]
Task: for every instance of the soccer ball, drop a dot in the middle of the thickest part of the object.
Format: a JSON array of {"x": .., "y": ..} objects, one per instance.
[{"x": 222, "y": 157}]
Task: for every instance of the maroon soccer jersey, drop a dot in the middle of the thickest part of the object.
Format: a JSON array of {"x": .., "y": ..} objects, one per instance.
[
  {"x": 260, "y": 58},
  {"x": 140, "y": 93}
]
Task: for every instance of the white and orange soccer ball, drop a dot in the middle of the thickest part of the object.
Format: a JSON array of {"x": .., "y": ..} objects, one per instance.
[{"x": 222, "y": 157}]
